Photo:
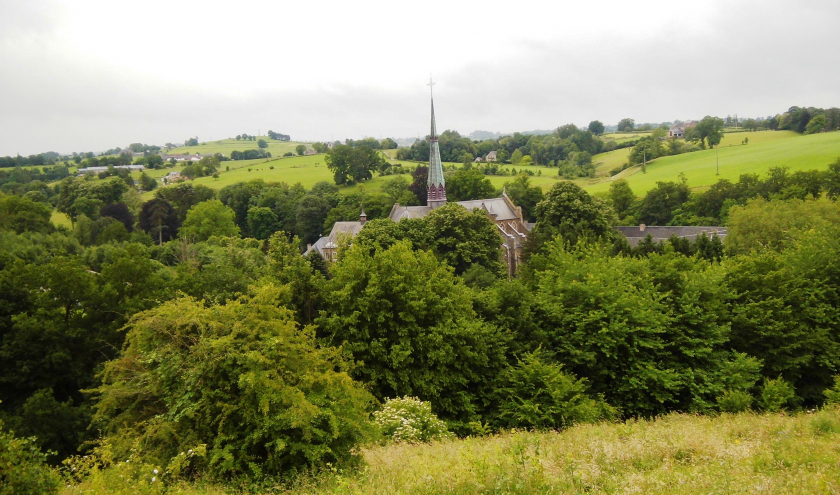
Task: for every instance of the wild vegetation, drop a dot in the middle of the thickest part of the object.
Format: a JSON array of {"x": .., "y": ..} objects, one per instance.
[{"x": 180, "y": 342}]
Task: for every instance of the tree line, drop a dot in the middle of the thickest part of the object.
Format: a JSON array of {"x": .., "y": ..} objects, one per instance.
[{"x": 177, "y": 336}]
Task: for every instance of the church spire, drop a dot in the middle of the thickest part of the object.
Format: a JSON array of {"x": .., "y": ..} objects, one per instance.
[{"x": 436, "y": 186}]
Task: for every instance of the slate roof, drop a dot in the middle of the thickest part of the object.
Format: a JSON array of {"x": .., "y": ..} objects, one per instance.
[
  {"x": 635, "y": 234},
  {"x": 494, "y": 206},
  {"x": 403, "y": 212}
]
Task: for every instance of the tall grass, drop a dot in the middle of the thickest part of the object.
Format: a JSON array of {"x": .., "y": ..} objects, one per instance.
[{"x": 675, "y": 454}]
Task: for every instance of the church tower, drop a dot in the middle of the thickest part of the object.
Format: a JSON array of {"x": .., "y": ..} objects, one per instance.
[{"x": 436, "y": 186}]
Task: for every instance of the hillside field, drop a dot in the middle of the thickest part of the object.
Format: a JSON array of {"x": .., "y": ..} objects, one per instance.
[
  {"x": 765, "y": 150},
  {"x": 675, "y": 454},
  {"x": 225, "y": 146}
]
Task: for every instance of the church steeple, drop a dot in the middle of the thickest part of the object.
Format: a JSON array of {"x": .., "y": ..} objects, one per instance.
[{"x": 436, "y": 186}]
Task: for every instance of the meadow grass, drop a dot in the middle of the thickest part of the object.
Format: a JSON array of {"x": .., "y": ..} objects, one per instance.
[
  {"x": 765, "y": 150},
  {"x": 60, "y": 219},
  {"x": 674, "y": 454},
  {"x": 225, "y": 146}
]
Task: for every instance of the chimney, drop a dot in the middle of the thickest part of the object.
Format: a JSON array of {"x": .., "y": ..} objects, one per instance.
[
  {"x": 363, "y": 217},
  {"x": 308, "y": 247},
  {"x": 641, "y": 227}
]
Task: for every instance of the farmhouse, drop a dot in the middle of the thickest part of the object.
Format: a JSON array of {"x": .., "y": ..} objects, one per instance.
[
  {"x": 491, "y": 157},
  {"x": 637, "y": 234},
  {"x": 511, "y": 225},
  {"x": 310, "y": 151},
  {"x": 678, "y": 130},
  {"x": 85, "y": 170}
]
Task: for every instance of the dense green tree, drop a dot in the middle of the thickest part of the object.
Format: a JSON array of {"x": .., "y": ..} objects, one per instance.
[
  {"x": 240, "y": 197},
  {"x": 659, "y": 204},
  {"x": 312, "y": 210},
  {"x": 408, "y": 319},
  {"x": 466, "y": 184},
  {"x": 571, "y": 213},
  {"x": 596, "y": 127},
  {"x": 159, "y": 219},
  {"x": 350, "y": 165},
  {"x": 262, "y": 144},
  {"x": 524, "y": 195},
  {"x": 463, "y": 238},
  {"x": 184, "y": 195},
  {"x": 120, "y": 212},
  {"x": 239, "y": 385},
  {"x": 300, "y": 149},
  {"x": 623, "y": 200},
  {"x": 626, "y": 125},
  {"x": 262, "y": 222},
  {"x": 207, "y": 219},
  {"x": 22, "y": 214},
  {"x": 709, "y": 131},
  {"x": 419, "y": 184}
]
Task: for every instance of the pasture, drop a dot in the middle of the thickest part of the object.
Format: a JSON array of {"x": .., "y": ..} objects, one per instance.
[
  {"x": 765, "y": 150},
  {"x": 225, "y": 146}
]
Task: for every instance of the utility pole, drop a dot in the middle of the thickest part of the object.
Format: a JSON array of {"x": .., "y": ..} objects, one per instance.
[{"x": 644, "y": 161}]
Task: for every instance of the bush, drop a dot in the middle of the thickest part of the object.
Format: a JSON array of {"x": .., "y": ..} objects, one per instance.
[
  {"x": 832, "y": 395},
  {"x": 776, "y": 394},
  {"x": 538, "y": 394},
  {"x": 409, "y": 420},
  {"x": 23, "y": 468},
  {"x": 241, "y": 380},
  {"x": 734, "y": 401}
]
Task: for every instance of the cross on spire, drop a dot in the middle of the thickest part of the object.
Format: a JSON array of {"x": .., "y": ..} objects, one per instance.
[{"x": 431, "y": 85}]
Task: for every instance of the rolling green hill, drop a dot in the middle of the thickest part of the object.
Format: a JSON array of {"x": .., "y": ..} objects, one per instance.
[
  {"x": 765, "y": 150},
  {"x": 225, "y": 146}
]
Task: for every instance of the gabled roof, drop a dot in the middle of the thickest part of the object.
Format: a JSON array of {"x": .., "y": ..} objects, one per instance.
[
  {"x": 402, "y": 212},
  {"x": 494, "y": 206},
  {"x": 635, "y": 234}
]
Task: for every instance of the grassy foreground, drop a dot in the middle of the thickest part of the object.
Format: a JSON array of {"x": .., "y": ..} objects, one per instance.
[{"x": 674, "y": 454}]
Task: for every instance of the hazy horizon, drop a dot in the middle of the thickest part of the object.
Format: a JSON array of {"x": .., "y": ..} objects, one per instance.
[{"x": 89, "y": 75}]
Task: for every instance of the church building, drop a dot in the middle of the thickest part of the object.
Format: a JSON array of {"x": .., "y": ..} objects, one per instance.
[{"x": 511, "y": 225}]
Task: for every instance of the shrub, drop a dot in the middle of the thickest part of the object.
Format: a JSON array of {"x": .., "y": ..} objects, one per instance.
[
  {"x": 832, "y": 395},
  {"x": 241, "y": 379},
  {"x": 734, "y": 401},
  {"x": 776, "y": 394},
  {"x": 538, "y": 394},
  {"x": 23, "y": 468},
  {"x": 409, "y": 420}
]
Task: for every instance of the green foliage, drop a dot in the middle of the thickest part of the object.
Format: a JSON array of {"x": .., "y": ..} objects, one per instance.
[
  {"x": 410, "y": 326},
  {"x": 21, "y": 214},
  {"x": 776, "y": 395},
  {"x": 832, "y": 395},
  {"x": 623, "y": 200},
  {"x": 538, "y": 394},
  {"x": 570, "y": 212},
  {"x": 207, "y": 219},
  {"x": 241, "y": 380},
  {"x": 410, "y": 420},
  {"x": 524, "y": 195},
  {"x": 735, "y": 401},
  {"x": 23, "y": 468},
  {"x": 596, "y": 127},
  {"x": 626, "y": 125},
  {"x": 467, "y": 184},
  {"x": 352, "y": 164},
  {"x": 776, "y": 224}
]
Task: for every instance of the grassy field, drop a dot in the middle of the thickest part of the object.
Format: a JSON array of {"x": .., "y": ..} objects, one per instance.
[
  {"x": 675, "y": 455},
  {"x": 225, "y": 146},
  {"x": 621, "y": 137},
  {"x": 765, "y": 150}
]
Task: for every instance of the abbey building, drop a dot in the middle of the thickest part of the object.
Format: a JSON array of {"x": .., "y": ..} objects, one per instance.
[{"x": 511, "y": 225}]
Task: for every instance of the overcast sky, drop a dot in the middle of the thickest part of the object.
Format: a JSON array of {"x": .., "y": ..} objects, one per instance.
[{"x": 79, "y": 75}]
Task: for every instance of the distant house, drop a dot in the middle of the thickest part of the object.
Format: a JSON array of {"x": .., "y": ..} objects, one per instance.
[
  {"x": 478, "y": 159},
  {"x": 174, "y": 177},
  {"x": 491, "y": 157},
  {"x": 310, "y": 151},
  {"x": 182, "y": 158},
  {"x": 678, "y": 130},
  {"x": 327, "y": 247},
  {"x": 93, "y": 170},
  {"x": 637, "y": 234}
]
